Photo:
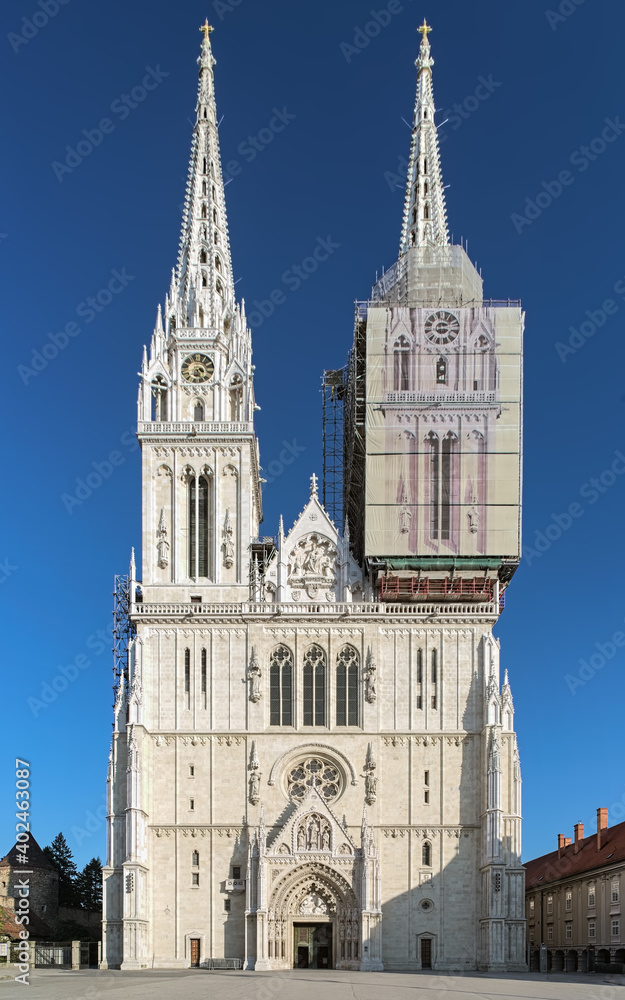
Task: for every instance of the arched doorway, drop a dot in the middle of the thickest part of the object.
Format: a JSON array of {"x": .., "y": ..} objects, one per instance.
[{"x": 313, "y": 920}]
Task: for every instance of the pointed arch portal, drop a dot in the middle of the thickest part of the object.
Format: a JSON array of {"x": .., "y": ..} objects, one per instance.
[{"x": 313, "y": 920}]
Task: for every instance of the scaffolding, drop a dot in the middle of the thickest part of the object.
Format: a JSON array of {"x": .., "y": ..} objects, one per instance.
[
  {"x": 123, "y": 628},
  {"x": 355, "y": 431},
  {"x": 333, "y": 390}
]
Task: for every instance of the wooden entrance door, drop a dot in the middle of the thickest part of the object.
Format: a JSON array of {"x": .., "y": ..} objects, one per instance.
[
  {"x": 195, "y": 953},
  {"x": 426, "y": 953}
]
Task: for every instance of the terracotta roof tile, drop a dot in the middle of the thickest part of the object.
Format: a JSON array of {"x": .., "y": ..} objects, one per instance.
[{"x": 550, "y": 868}]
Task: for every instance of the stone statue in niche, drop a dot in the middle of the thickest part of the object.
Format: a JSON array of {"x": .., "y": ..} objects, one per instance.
[
  {"x": 301, "y": 839},
  {"x": 162, "y": 545},
  {"x": 405, "y": 517},
  {"x": 255, "y": 788},
  {"x": 371, "y": 782},
  {"x": 254, "y": 676},
  {"x": 473, "y": 515},
  {"x": 228, "y": 541},
  {"x": 370, "y": 677}
]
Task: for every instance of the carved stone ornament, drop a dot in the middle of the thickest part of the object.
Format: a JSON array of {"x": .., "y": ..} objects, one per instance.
[
  {"x": 254, "y": 677},
  {"x": 473, "y": 515},
  {"x": 312, "y": 564},
  {"x": 254, "y": 788},
  {"x": 162, "y": 545},
  {"x": 370, "y": 673},
  {"x": 371, "y": 782},
  {"x": 228, "y": 541}
]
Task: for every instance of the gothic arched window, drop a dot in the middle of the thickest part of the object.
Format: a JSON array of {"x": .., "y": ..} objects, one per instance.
[
  {"x": 434, "y": 478},
  {"x": 204, "y": 279},
  {"x": 281, "y": 687},
  {"x": 314, "y": 687},
  {"x": 450, "y": 443},
  {"x": 195, "y": 859},
  {"x": 441, "y": 371},
  {"x": 434, "y": 684},
  {"x": 426, "y": 211},
  {"x": 204, "y": 187},
  {"x": 218, "y": 263},
  {"x": 198, "y": 411},
  {"x": 199, "y": 517},
  {"x": 159, "y": 399},
  {"x": 426, "y": 854},
  {"x": 401, "y": 353},
  {"x": 204, "y": 215},
  {"x": 347, "y": 687},
  {"x": 203, "y": 258}
]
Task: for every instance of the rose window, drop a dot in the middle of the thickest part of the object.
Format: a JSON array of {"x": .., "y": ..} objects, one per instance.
[{"x": 314, "y": 772}]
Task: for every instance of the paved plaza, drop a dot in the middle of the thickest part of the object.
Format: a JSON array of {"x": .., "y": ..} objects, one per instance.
[{"x": 307, "y": 985}]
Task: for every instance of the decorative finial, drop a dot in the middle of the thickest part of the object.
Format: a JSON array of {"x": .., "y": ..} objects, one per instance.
[
  {"x": 207, "y": 28},
  {"x": 313, "y": 487},
  {"x": 424, "y": 30}
]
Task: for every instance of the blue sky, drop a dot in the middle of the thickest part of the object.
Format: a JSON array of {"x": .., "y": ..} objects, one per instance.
[{"x": 553, "y": 81}]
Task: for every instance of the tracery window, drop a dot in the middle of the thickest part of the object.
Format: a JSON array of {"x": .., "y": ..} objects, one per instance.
[
  {"x": 317, "y": 773},
  {"x": 281, "y": 687},
  {"x": 347, "y": 687},
  {"x": 314, "y": 674},
  {"x": 401, "y": 373},
  {"x": 441, "y": 372},
  {"x": 198, "y": 411}
]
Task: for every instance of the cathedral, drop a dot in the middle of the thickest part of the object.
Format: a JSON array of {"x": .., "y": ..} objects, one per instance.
[{"x": 313, "y": 762}]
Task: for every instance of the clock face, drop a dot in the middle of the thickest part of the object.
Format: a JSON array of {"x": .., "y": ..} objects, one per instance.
[
  {"x": 441, "y": 328},
  {"x": 197, "y": 368}
]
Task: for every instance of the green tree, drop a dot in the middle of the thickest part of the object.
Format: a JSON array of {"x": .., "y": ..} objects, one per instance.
[
  {"x": 63, "y": 860},
  {"x": 89, "y": 885}
]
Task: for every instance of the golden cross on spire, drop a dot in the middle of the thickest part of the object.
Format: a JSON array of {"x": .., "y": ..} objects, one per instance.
[
  {"x": 424, "y": 29},
  {"x": 206, "y": 28}
]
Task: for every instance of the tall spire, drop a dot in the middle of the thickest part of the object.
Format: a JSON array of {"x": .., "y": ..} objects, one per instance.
[
  {"x": 425, "y": 215},
  {"x": 202, "y": 295}
]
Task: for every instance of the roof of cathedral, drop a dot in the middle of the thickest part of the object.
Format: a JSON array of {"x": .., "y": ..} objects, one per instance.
[
  {"x": 551, "y": 868},
  {"x": 36, "y": 857},
  {"x": 425, "y": 214}
]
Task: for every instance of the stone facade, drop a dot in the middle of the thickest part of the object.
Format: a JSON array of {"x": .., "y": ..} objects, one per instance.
[{"x": 302, "y": 772}]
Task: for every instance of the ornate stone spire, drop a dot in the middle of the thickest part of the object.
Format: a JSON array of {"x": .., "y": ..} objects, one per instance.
[
  {"x": 202, "y": 294},
  {"x": 425, "y": 215}
]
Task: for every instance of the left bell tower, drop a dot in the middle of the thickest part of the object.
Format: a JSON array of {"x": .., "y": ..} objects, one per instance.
[{"x": 201, "y": 486}]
